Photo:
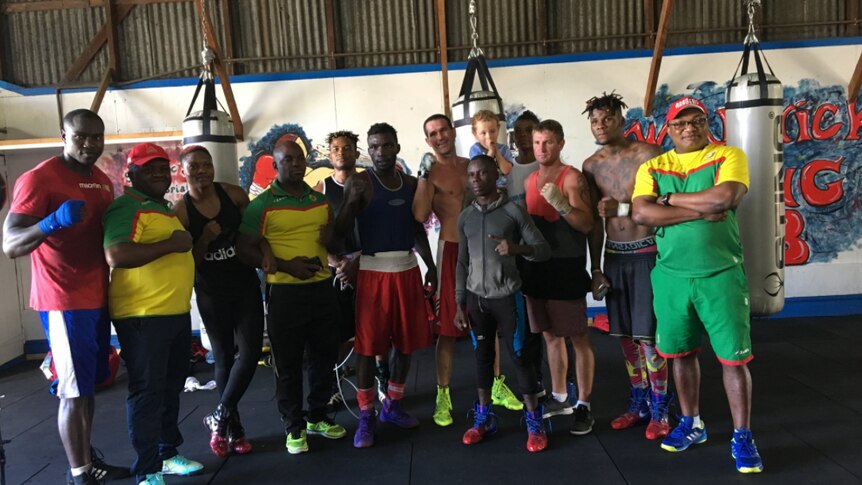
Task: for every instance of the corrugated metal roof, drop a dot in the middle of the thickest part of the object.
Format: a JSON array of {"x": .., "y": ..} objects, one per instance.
[{"x": 276, "y": 35}]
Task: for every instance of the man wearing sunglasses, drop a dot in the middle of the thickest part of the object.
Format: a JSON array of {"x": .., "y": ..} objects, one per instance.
[{"x": 690, "y": 195}]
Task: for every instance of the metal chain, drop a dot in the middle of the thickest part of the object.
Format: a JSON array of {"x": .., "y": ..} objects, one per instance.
[
  {"x": 752, "y": 6},
  {"x": 207, "y": 55},
  {"x": 474, "y": 36}
]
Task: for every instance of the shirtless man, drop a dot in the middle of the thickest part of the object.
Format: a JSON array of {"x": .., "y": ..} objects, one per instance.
[
  {"x": 630, "y": 253},
  {"x": 442, "y": 190}
]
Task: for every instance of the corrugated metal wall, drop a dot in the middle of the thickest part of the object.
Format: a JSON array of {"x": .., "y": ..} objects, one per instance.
[{"x": 162, "y": 39}]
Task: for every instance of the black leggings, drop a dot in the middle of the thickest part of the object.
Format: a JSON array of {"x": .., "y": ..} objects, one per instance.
[
  {"x": 488, "y": 317},
  {"x": 233, "y": 322}
]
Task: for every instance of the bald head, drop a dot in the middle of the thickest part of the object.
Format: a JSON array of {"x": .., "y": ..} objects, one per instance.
[{"x": 289, "y": 162}]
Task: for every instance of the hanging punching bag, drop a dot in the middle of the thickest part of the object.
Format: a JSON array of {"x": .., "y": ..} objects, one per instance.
[
  {"x": 470, "y": 102},
  {"x": 212, "y": 129},
  {"x": 753, "y": 110}
]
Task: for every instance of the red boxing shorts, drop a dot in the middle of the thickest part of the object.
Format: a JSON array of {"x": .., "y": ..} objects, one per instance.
[
  {"x": 447, "y": 261},
  {"x": 390, "y": 305}
]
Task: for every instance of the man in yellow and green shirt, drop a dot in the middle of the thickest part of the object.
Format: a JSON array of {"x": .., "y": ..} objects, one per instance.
[
  {"x": 149, "y": 299},
  {"x": 281, "y": 232},
  {"x": 690, "y": 195}
]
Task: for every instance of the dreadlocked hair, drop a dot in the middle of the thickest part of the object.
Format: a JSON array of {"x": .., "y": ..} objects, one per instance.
[{"x": 612, "y": 102}]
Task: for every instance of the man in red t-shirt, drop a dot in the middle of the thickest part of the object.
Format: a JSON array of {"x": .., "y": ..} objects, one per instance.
[{"x": 56, "y": 218}]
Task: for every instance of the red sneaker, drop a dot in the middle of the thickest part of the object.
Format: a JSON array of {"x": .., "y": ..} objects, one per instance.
[
  {"x": 537, "y": 440},
  {"x": 484, "y": 423},
  {"x": 658, "y": 426},
  {"x": 240, "y": 446},
  {"x": 217, "y": 423},
  {"x": 657, "y": 429},
  {"x": 628, "y": 420}
]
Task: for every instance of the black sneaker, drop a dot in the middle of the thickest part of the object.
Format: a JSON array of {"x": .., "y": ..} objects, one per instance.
[
  {"x": 104, "y": 471},
  {"x": 556, "y": 408},
  {"x": 583, "y": 421},
  {"x": 85, "y": 479}
]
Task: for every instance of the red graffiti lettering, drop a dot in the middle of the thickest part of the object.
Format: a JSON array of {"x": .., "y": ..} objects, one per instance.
[
  {"x": 635, "y": 129},
  {"x": 812, "y": 192},
  {"x": 821, "y": 133},
  {"x": 796, "y": 250},
  {"x": 789, "y": 200},
  {"x": 788, "y": 111},
  {"x": 855, "y": 121}
]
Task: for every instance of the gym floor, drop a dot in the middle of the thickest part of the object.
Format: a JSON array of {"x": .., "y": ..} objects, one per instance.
[{"x": 807, "y": 421}]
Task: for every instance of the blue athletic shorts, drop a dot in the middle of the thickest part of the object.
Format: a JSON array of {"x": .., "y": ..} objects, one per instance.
[{"x": 79, "y": 340}]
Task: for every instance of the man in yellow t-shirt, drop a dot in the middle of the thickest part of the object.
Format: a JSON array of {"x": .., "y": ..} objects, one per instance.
[
  {"x": 690, "y": 195},
  {"x": 149, "y": 299}
]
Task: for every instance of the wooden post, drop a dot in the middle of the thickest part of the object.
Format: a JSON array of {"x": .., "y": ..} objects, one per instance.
[
  {"x": 649, "y": 23},
  {"x": 227, "y": 33},
  {"x": 111, "y": 33},
  {"x": 100, "y": 94},
  {"x": 655, "y": 66},
  {"x": 542, "y": 24},
  {"x": 330, "y": 33},
  {"x": 855, "y": 82},
  {"x": 444, "y": 55},
  {"x": 222, "y": 73}
]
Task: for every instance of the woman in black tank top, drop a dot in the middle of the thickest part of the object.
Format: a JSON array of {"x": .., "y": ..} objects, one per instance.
[{"x": 228, "y": 293}]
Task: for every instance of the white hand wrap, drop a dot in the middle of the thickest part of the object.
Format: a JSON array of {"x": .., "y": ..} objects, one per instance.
[{"x": 558, "y": 201}]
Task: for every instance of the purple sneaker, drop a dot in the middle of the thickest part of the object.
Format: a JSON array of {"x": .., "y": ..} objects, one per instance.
[
  {"x": 393, "y": 414},
  {"x": 364, "y": 437}
]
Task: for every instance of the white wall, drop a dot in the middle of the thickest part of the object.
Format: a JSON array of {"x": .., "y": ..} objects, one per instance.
[{"x": 554, "y": 90}]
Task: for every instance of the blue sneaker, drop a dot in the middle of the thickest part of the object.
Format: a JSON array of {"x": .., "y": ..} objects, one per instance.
[
  {"x": 180, "y": 465},
  {"x": 393, "y": 414},
  {"x": 684, "y": 435},
  {"x": 744, "y": 451},
  {"x": 153, "y": 479},
  {"x": 364, "y": 436}
]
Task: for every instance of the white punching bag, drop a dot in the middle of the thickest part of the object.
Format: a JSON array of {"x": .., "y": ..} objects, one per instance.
[
  {"x": 213, "y": 130},
  {"x": 471, "y": 101},
  {"x": 462, "y": 113},
  {"x": 753, "y": 111}
]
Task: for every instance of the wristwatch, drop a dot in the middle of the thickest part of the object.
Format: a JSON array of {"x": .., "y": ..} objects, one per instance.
[{"x": 665, "y": 199}]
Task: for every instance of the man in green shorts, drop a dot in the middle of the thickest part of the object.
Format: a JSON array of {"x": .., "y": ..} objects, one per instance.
[{"x": 690, "y": 195}]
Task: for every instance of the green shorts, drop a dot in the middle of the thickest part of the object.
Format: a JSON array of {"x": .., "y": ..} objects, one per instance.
[{"x": 717, "y": 304}]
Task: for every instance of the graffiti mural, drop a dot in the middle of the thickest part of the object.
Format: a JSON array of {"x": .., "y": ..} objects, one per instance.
[
  {"x": 256, "y": 170},
  {"x": 113, "y": 163},
  {"x": 822, "y": 160}
]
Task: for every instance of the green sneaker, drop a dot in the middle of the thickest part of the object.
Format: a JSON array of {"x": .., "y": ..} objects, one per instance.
[
  {"x": 296, "y": 442},
  {"x": 443, "y": 408},
  {"x": 327, "y": 429},
  {"x": 501, "y": 395}
]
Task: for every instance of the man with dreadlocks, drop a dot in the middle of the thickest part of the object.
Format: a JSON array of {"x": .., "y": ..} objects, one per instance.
[{"x": 630, "y": 255}]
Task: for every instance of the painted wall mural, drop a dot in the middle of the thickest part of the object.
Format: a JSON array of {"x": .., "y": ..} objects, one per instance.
[
  {"x": 822, "y": 159},
  {"x": 113, "y": 163}
]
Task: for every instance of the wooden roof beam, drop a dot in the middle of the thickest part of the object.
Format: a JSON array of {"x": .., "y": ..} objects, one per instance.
[
  {"x": 655, "y": 66},
  {"x": 83, "y": 60}
]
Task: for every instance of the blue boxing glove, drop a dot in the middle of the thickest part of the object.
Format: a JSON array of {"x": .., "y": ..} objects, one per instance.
[{"x": 69, "y": 213}]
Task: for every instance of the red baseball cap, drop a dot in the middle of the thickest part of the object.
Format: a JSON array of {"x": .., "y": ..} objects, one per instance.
[
  {"x": 682, "y": 104},
  {"x": 142, "y": 153}
]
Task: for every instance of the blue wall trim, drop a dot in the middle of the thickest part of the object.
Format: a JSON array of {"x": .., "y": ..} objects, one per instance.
[
  {"x": 415, "y": 68},
  {"x": 12, "y": 363}
]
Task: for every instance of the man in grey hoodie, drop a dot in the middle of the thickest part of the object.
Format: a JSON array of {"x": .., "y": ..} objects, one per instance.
[{"x": 492, "y": 232}]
